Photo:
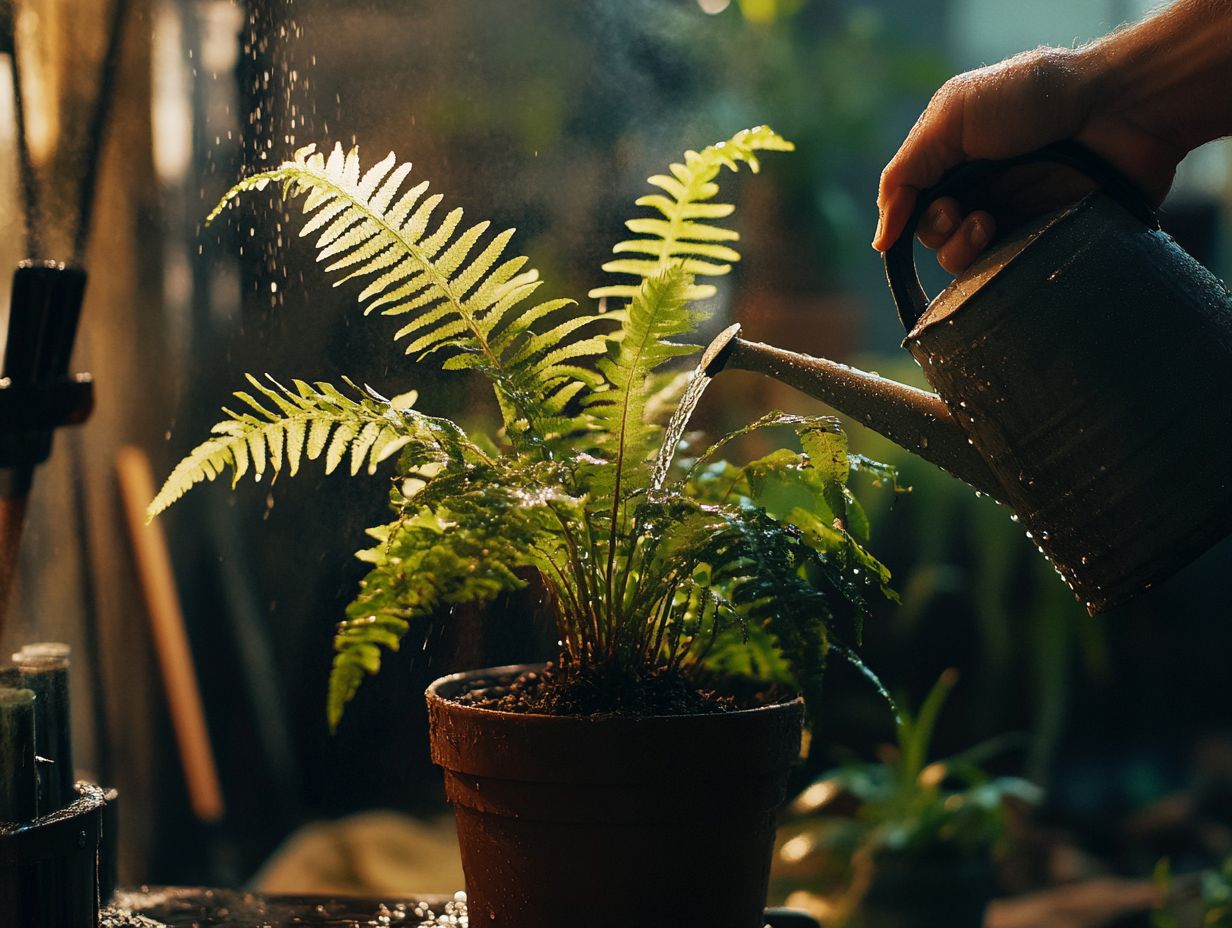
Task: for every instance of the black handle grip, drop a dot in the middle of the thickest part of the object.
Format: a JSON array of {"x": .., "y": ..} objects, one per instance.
[
  {"x": 909, "y": 296},
  {"x": 43, "y": 316},
  {"x": 790, "y": 918}
]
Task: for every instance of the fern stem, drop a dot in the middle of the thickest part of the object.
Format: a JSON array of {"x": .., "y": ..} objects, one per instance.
[
  {"x": 579, "y": 573},
  {"x": 635, "y": 550},
  {"x": 698, "y": 657},
  {"x": 617, "y": 516},
  {"x": 569, "y": 631},
  {"x": 661, "y": 620},
  {"x": 596, "y": 577}
]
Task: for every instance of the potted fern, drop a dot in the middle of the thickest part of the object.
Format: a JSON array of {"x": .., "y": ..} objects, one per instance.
[{"x": 624, "y": 776}]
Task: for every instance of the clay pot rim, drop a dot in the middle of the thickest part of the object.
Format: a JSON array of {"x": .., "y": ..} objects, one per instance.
[{"x": 434, "y": 694}]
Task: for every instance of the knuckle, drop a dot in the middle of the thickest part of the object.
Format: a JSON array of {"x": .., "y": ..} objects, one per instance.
[
  {"x": 1045, "y": 70},
  {"x": 1051, "y": 69},
  {"x": 950, "y": 92}
]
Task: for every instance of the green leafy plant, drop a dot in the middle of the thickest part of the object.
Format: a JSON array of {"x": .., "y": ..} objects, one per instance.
[
  {"x": 903, "y": 806},
  {"x": 910, "y": 804},
  {"x": 653, "y": 567},
  {"x": 1205, "y": 901}
]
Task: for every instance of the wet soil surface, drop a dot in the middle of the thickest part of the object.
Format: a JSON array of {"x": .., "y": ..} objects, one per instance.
[{"x": 589, "y": 691}]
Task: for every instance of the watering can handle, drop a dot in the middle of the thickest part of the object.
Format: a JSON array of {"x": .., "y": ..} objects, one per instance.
[{"x": 905, "y": 287}]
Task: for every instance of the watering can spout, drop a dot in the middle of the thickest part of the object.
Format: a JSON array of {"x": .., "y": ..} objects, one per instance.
[{"x": 914, "y": 419}]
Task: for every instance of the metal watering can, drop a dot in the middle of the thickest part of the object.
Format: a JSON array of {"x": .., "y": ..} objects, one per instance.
[{"x": 1083, "y": 369}]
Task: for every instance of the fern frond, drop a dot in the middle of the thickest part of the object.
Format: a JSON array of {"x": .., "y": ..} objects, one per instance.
[
  {"x": 457, "y": 293},
  {"x": 283, "y": 425},
  {"x": 807, "y": 490},
  {"x": 686, "y": 231},
  {"x": 763, "y": 567},
  {"x": 769, "y": 420},
  {"x": 658, "y": 313},
  {"x": 462, "y": 539},
  {"x": 418, "y": 565}
]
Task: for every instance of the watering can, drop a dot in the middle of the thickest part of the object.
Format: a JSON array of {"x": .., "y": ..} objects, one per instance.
[{"x": 1083, "y": 369}]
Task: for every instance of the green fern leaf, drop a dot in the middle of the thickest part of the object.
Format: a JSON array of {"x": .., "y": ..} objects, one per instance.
[
  {"x": 686, "y": 234},
  {"x": 763, "y": 567},
  {"x": 273, "y": 434},
  {"x": 658, "y": 312},
  {"x": 464, "y": 538},
  {"x": 809, "y": 492},
  {"x": 457, "y": 296}
]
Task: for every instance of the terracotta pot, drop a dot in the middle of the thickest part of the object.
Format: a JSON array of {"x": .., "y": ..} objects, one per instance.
[{"x": 568, "y": 821}]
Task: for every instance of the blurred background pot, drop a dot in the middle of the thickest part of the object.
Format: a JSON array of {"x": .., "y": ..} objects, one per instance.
[
  {"x": 924, "y": 893},
  {"x": 566, "y": 821}
]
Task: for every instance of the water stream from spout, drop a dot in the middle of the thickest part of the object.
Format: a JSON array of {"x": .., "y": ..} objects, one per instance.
[{"x": 698, "y": 381}]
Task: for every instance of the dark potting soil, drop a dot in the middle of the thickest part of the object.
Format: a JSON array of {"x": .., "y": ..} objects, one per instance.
[{"x": 591, "y": 691}]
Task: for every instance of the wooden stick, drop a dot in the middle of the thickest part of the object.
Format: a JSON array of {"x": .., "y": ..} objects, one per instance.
[
  {"x": 12, "y": 517},
  {"x": 170, "y": 638}
]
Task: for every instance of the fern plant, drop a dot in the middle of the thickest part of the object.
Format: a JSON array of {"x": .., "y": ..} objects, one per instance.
[{"x": 758, "y": 569}]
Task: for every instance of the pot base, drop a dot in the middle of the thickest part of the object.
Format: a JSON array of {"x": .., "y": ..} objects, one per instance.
[{"x": 641, "y": 875}]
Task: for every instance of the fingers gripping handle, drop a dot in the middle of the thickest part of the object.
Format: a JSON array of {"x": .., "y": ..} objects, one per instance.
[{"x": 904, "y": 282}]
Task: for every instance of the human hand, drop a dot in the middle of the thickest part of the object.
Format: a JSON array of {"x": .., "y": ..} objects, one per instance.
[{"x": 1013, "y": 108}]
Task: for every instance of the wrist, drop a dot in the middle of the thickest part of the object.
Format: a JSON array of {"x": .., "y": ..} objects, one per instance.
[{"x": 1166, "y": 76}]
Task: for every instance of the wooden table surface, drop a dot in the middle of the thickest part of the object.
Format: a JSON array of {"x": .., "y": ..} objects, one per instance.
[{"x": 1084, "y": 905}]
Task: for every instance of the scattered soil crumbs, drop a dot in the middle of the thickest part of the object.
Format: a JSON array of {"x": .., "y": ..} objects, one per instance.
[
  {"x": 118, "y": 918},
  {"x": 591, "y": 691},
  {"x": 453, "y": 916}
]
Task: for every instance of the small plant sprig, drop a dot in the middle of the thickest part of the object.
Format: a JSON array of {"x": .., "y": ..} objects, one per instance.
[
  {"x": 757, "y": 569},
  {"x": 903, "y": 806},
  {"x": 1206, "y": 898},
  {"x": 913, "y": 805}
]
